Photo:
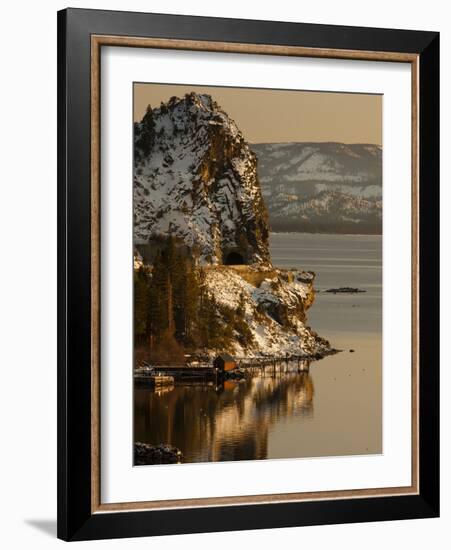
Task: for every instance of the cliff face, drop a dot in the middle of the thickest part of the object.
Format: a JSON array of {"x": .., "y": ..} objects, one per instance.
[
  {"x": 274, "y": 311},
  {"x": 195, "y": 178}
]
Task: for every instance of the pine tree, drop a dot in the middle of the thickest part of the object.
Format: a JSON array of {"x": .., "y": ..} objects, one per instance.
[
  {"x": 186, "y": 301},
  {"x": 170, "y": 306},
  {"x": 163, "y": 346},
  {"x": 211, "y": 329},
  {"x": 191, "y": 303},
  {"x": 158, "y": 298},
  {"x": 141, "y": 304},
  {"x": 146, "y": 136}
]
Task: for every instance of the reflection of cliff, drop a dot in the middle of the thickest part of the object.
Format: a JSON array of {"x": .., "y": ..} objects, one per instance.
[{"x": 227, "y": 424}]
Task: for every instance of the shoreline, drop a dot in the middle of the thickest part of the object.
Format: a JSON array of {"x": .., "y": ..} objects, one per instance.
[{"x": 317, "y": 233}]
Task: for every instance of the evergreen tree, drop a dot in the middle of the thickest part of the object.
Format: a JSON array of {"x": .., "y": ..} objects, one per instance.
[
  {"x": 186, "y": 302},
  {"x": 181, "y": 313},
  {"x": 191, "y": 303},
  {"x": 146, "y": 136},
  {"x": 173, "y": 300},
  {"x": 211, "y": 330},
  {"x": 141, "y": 304},
  {"x": 158, "y": 299}
]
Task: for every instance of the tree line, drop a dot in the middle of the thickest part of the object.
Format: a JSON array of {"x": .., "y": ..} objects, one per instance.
[{"x": 174, "y": 314}]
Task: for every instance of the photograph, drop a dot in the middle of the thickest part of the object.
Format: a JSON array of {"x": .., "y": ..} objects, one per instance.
[
  {"x": 257, "y": 273},
  {"x": 248, "y": 273}
]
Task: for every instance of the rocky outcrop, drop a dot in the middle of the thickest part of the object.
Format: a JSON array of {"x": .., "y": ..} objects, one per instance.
[
  {"x": 146, "y": 454},
  {"x": 274, "y": 311},
  {"x": 195, "y": 177}
]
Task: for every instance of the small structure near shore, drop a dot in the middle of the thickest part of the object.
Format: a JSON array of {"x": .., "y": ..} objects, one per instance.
[{"x": 224, "y": 362}]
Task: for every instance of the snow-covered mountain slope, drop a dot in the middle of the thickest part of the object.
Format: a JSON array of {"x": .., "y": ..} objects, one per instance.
[
  {"x": 195, "y": 178},
  {"x": 326, "y": 187}
]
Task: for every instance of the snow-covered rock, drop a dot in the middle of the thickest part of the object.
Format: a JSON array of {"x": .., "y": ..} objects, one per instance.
[
  {"x": 137, "y": 261},
  {"x": 195, "y": 178},
  {"x": 274, "y": 311}
]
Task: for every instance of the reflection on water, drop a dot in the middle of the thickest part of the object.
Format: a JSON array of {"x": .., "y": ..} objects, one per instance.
[
  {"x": 229, "y": 422},
  {"x": 332, "y": 409}
]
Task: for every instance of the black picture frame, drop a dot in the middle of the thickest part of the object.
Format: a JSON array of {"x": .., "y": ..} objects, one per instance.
[{"x": 76, "y": 521}]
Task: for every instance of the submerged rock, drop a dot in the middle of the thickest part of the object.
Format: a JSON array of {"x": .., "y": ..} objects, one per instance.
[
  {"x": 145, "y": 454},
  {"x": 345, "y": 290}
]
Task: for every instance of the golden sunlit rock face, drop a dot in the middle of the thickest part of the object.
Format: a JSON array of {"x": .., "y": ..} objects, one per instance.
[
  {"x": 195, "y": 178},
  {"x": 196, "y": 183}
]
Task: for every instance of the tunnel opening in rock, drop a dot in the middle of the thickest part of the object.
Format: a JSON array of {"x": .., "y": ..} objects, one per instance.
[{"x": 234, "y": 258}]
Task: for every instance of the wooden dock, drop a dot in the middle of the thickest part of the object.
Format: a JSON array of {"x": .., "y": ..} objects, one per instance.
[
  {"x": 207, "y": 372},
  {"x": 274, "y": 366},
  {"x": 186, "y": 372}
]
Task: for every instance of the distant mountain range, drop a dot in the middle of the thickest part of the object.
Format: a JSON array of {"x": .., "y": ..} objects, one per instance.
[{"x": 321, "y": 187}]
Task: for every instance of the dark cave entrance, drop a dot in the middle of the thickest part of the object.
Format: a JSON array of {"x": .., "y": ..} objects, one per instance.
[{"x": 234, "y": 258}]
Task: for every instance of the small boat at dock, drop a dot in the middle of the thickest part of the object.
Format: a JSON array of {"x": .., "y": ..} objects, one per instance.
[{"x": 148, "y": 374}]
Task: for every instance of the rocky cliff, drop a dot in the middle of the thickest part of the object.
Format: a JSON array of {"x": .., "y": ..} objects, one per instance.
[
  {"x": 195, "y": 178},
  {"x": 274, "y": 311}
]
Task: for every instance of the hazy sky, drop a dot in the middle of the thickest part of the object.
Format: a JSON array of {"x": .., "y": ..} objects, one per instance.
[{"x": 266, "y": 116}]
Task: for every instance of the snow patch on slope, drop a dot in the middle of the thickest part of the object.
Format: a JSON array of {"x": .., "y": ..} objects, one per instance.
[{"x": 287, "y": 335}]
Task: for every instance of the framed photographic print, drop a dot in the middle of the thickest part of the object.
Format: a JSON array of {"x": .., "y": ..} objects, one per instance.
[{"x": 248, "y": 274}]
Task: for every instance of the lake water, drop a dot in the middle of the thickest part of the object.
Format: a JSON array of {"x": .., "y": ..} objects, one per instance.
[{"x": 330, "y": 407}]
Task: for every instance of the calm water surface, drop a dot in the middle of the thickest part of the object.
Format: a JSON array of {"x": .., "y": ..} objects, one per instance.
[{"x": 329, "y": 407}]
